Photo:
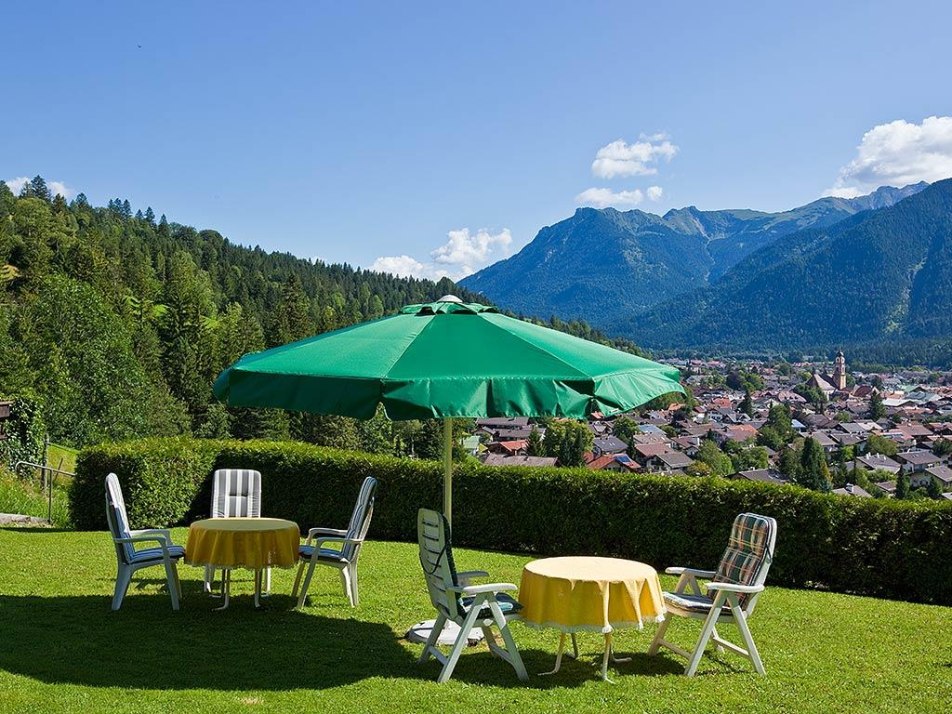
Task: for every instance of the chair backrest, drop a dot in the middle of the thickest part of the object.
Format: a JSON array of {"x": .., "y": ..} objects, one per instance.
[
  {"x": 748, "y": 555},
  {"x": 436, "y": 559},
  {"x": 117, "y": 518},
  {"x": 360, "y": 518},
  {"x": 236, "y": 492}
]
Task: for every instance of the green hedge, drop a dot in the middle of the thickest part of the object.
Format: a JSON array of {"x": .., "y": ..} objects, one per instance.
[{"x": 867, "y": 546}]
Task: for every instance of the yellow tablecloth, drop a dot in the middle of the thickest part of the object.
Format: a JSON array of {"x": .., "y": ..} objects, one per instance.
[
  {"x": 587, "y": 594},
  {"x": 243, "y": 543}
]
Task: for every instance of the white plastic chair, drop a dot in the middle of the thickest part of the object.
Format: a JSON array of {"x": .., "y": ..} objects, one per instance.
[
  {"x": 235, "y": 493},
  {"x": 314, "y": 553},
  {"x": 732, "y": 592},
  {"x": 457, "y": 601},
  {"x": 128, "y": 559}
]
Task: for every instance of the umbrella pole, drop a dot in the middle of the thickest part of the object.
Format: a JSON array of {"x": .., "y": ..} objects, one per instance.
[{"x": 448, "y": 470}]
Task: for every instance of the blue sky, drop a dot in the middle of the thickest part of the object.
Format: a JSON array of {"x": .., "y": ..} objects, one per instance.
[{"x": 445, "y": 137}]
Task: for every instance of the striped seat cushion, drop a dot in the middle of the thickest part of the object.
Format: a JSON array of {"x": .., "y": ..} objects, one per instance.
[
  {"x": 306, "y": 552},
  {"x": 146, "y": 554},
  {"x": 506, "y": 603},
  {"x": 746, "y": 552},
  {"x": 692, "y": 603}
]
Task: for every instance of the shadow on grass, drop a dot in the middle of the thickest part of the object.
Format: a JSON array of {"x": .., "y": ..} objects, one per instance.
[{"x": 79, "y": 640}]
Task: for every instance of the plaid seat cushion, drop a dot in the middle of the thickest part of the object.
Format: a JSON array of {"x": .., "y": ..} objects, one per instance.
[
  {"x": 506, "y": 603},
  {"x": 746, "y": 552},
  {"x": 691, "y": 603},
  {"x": 146, "y": 554},
  {"x": 306, "y": 552}
]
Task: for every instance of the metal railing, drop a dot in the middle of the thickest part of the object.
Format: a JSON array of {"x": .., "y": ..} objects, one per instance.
[{"x": 47, "y": 482}]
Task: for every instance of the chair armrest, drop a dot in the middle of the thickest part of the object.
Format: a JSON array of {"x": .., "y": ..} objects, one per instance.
[
  {"x": 706, "y": 574},
  {"x": 163, "y": 544},
  {"x": 333, "y": 539},
  {"x": 467, "y": 575},
  {"x": 487, "y": 588},
  {"x": 160, "y": 532},
  {"x": 734, "y": 588},
  {"x": 326, "y": 531}
]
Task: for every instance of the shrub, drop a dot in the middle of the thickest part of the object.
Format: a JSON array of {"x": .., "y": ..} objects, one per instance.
[{"x": 874, "y": 547}]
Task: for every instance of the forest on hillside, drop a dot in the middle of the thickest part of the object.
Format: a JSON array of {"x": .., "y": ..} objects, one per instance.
[{"x": 115, "y": 323}]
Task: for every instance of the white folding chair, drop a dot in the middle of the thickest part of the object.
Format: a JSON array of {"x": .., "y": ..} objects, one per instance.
[
  {"x": 235, "y": 493},
  {"x": 128, "y": 559},
  {"x": 344, "y": 558},
  {"x": 456, "y": 600},
  {"x": 732, "y": 592}
]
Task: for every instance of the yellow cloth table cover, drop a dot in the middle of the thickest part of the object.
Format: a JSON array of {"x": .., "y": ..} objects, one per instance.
[
  {"x": 254, "y": 543},
  {"x": 589, "y": 594}
]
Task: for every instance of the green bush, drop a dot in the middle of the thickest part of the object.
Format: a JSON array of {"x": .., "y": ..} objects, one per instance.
[
  {"x": 874, "y": 547},
  {"x": 25, "y": 431}
]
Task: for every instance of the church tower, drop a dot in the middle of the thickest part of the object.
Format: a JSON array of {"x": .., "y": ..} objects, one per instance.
[{"x": 839, "y": 371}]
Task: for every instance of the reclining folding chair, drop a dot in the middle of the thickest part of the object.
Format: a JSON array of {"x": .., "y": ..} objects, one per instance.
[
  {"x": 344, "y": 558},
  {"x": 732, "y": 592},
  {"x": 457, "y": 601},
  {"x": 128, "y": 559},
  {"x": 235, "y": 493}
]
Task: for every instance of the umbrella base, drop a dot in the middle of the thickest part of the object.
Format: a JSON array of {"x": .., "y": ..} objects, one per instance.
[{"x": 420, "y": 632}]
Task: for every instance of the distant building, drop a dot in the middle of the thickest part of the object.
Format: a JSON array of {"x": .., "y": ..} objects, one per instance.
[{"x": 852, "y": 489}]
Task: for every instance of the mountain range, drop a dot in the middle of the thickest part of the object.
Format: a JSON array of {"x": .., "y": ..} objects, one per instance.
[{"x": 835, "y": 271}]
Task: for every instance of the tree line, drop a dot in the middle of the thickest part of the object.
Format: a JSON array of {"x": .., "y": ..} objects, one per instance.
[{"x": 116, "y": 322}]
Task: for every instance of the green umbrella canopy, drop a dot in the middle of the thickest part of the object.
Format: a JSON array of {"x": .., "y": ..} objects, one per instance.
[{"x": 445, "y": 359}]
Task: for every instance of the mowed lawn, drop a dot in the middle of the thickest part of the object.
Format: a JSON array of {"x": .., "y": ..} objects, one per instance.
[{"x": 64, "y": 650}]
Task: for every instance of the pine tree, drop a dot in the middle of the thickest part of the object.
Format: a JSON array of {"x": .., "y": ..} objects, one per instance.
[
  {"x": 747, "y": 404},
  {"x": 150, "y": 216},
  {"x": 534, "y": 446},
  {"x": 933, "y": 489},
  {"x": 814, "y": 472},
  {"x": 876, "y": 409},
  {"x": 790, "y": 463},
  {"x": 38, "y": 189},
  {"x": 902, "y": 486}
]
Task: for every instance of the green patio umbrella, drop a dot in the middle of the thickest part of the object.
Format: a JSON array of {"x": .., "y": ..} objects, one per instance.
[{"x": 442, "y": 360}]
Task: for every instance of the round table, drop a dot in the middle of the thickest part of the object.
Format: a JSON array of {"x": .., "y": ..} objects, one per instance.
[
  {"x": 253, "y": 543},
  {"x": 590, "y": 594}
]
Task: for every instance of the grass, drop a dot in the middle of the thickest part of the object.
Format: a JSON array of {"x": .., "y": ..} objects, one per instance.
[
  {"x": 63, "y": 650},
  {"x": 62, "y": 457},
  {"x": 26, "y": 497}
]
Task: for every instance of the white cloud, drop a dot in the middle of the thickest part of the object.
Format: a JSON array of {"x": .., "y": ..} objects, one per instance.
[
  {"x": 463, "y": 254},
  {"x": 60, "y": 188},
  {"x": 620, "y": 158},
  {"x": 603, "y": 197},
  {"x": 654, "y": 193},
  {"x": 16, "y": 184},
  {"x": 897, "y": 154},
  {"x": 401, "y": 265},
  {"x": 56, "y": 187}
]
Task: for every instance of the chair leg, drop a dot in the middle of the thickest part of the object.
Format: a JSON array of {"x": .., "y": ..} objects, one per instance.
[
  {"x": 123, "y": 576},
  {"x": 574, "y": 647},
  {"x": 659, "y": 637},
  {"x": 170, "y": 577},
  {"x": 355, "y": 594},
  {"x": 297, "y": 578},
  {"x": 345, "y": 580},
  {"x": 513, "y": 651},
  {"x": 706, "y": 631},
  {"x": 460, "y": 643},
  {"x": 306, "y": 584},
  {"x": 431, "y": 641},
  {"x": 209, "y": 579},
  {"x": 267, "y": 585},
  {"x": 741, "y": 621},
  {"x": 178, "y": 581}
]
